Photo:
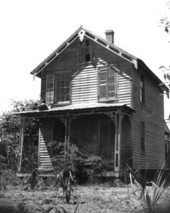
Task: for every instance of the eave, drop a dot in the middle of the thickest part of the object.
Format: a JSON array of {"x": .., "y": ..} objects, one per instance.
[
  {"x": 103, "y": 42},
  {"x": 160, "y": 83},
  {"x": 76, "y": 109}
]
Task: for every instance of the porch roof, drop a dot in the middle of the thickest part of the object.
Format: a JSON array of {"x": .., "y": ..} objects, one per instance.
[{"x": 76, "y": 108}]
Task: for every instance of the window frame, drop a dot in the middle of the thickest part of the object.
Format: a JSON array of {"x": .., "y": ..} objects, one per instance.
[
  {"x": 107, "y": 98},
  {"x": 142, "y": 89},
  {"x": 69, "y": 87},
  {"x": 49, "y": 90},
  {"x": 53, "y": 88}
]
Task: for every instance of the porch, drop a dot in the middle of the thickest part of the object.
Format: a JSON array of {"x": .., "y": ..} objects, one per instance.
[{"x": 103, "y": 131}]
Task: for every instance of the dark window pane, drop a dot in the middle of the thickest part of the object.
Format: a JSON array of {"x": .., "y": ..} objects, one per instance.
[
  {"x": 103, "y": 91},
  {"x": 103, "y": 76},
  {"x": 49, "y": 81},
  {"x": 111, "y": 94},
  {"x": 111, "y": 87}
]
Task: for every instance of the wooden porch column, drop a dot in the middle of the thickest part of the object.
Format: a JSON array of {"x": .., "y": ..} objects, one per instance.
[
  {"x": 21, "y": 143},
  {"x": 117, "y": 143}
]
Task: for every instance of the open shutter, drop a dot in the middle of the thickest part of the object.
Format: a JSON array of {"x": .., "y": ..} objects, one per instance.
[
  {"x": 49, "y": 88},
  {"x": 107, "y": 84},
  {"x": 103, "y": 84},
  {"x": 111, "y": 84}
]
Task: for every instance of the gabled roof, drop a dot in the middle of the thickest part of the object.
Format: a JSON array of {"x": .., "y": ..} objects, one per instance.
[{"x": 81, "y": 31}]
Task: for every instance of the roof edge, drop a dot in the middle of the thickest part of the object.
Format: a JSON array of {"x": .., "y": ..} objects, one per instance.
[{"x": 103, "y": 42}]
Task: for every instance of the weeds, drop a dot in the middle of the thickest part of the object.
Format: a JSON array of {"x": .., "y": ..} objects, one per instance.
[{"x": 149, "y": 191}]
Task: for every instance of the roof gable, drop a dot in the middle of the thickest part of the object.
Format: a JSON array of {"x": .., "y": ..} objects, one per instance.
[{"x": 80, "y": 33}]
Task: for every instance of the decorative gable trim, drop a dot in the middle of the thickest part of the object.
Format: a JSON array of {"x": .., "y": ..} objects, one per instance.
[{"x": 81, "y": 33}]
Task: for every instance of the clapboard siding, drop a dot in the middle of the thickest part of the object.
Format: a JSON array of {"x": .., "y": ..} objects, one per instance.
[
  {"x": 45, "y": 136},
  {"x": 84, "y": 86},
  {"x": 84, "y": 80},
  {"x": 152, "y": 114}
]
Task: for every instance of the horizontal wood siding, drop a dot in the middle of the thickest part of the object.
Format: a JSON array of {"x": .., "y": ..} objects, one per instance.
[
  {"x": 84, "y": 85},
  {"x": 151, "y": 112},
  {"x": 84, "y": 80},
  {"x": 124, "y": 88},
  {"x": 45, "y": 136}
]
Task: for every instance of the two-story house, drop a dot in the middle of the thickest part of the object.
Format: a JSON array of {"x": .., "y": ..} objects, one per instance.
[{"x": 102, "y": 99}]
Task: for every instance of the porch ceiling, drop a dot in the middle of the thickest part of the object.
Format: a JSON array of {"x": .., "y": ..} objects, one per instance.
[{"x": 76, "y": 109}]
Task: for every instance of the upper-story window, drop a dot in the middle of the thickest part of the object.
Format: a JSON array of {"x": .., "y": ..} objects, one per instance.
[
  {"x": 58, "y": 88},
  {"x": 142, "y": 89},
  {"x": 107, "y": 84},
  {"x": 50, "y": 88},
  {"x": 62, "y": 88}
]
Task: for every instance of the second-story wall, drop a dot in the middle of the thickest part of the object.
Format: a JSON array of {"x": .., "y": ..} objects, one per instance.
[{"x": 84, "y": 76}]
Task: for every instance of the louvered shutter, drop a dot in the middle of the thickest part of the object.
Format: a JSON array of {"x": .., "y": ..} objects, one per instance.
[
  {"x": 107, "y": 84},
  {"x": 103, "y": 84},
  {"x": 111, "y": 84}
]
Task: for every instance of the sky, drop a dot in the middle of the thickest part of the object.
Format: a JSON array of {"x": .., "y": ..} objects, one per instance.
[{"x": 32, "y": 29}]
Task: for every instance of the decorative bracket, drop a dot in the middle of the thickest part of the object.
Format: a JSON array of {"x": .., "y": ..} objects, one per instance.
[
  {"x": 111, "y": 115},
  {"x": 81, "y": 35}
]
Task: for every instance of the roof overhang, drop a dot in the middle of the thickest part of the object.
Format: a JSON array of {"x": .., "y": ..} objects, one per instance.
[
  {"x": 76, "y": 109},
  {"x": 80, "y": 33}
]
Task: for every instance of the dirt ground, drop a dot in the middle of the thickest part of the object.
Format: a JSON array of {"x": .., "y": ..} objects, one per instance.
[{"x": 96, "y": 198}]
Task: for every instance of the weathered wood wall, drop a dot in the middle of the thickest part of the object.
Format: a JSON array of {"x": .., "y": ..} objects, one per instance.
[
  {"x": 84, "y": 89},
  {"x": 84, "y": 83},
  {"x": 151, "y": 112}
]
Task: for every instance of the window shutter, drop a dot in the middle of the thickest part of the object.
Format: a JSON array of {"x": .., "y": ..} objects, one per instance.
[
  {"x": 107, "y": 84},
  {"x": 103, "y": 84},
  {"x": 111, "y": 84}
]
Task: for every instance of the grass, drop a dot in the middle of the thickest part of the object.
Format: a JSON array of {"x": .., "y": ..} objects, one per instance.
[
  {"x": 104, "y": 198},
  {"x": 84, "y": 199}
]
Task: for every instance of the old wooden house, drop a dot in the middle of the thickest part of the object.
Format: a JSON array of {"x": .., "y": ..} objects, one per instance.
[{"x": 101, "y": 99}]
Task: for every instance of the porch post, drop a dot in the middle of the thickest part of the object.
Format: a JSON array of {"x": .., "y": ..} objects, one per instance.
[
  {"x": 65, "y": 145},
  {"x": 117, "y": 143},
  {"x": 68, "y": 137},
  {"x": 21, "y": 143}
]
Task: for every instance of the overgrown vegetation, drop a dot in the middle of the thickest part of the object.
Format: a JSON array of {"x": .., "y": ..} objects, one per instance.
[
  {"x": 149, "y": 192},
  {"x": 9, "y": 136}
]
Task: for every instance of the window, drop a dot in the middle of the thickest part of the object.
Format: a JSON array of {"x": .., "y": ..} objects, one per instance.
[
  {"x": 142, "y": 137},
  {"x": 107, "y": 84},
  {"x": 58, "y": 88},
  {"x": 49, "y": 88},
  {"x": 62, "y": 87},
  {"x": 142, "y": 89}
]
